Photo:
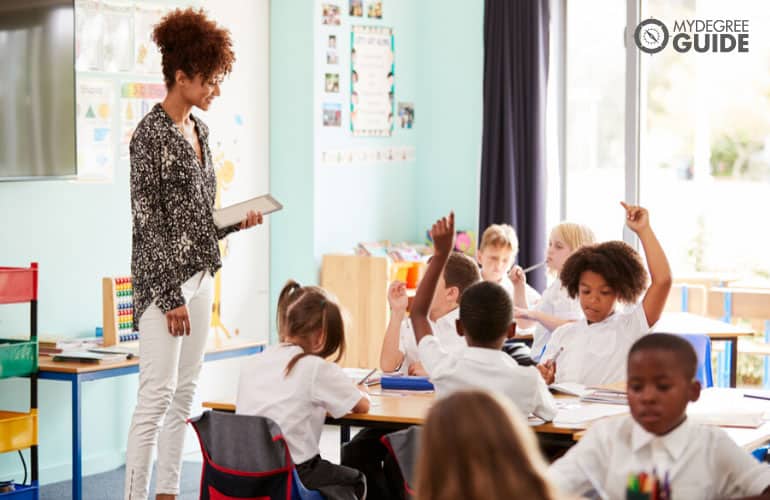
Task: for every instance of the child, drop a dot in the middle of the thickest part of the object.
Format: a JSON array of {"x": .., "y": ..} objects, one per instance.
[
  {"x": 593, "y": 351},
  {"x": 699, "y": 461},
  {"x": 555, "y": 307},
  {"x": 486, "y": 317},
  {"x": 399, "y": 352},
  {"x": 476, "y": 446},
  {"x": 497, "y": 251},
  {"x": 294, "y": 385}
]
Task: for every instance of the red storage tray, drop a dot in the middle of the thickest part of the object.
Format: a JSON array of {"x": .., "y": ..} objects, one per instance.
[{"x": 18, "y": 284}]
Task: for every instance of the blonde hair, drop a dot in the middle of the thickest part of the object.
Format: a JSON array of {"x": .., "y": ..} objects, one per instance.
[
  {"x": 305, "y": 310},
  {"x": 476, "y": 446},
  {"x": 575, "y": 235},
  {"x": 500, "y": 236}
]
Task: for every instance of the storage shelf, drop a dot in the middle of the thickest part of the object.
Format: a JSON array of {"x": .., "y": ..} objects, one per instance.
[
  {"x": 23, "y": 492},
  {"x": 17, "y": 430},
  {"x": 18, "y": 358},
  {"x": 18, "y": 284}
]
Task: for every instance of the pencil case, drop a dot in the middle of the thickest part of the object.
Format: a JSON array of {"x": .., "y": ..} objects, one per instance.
[{"x": 406, "y": 383}]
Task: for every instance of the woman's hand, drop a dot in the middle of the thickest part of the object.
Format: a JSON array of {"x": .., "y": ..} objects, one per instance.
[
  {"x": 178, "y": 321},
  {"x": 252, "y": 219}
]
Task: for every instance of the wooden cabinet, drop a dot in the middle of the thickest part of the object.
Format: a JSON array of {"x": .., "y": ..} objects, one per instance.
[{"x": 361, "y": 285}]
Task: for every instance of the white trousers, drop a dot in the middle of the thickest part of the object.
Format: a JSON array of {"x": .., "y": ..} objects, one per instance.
[{"x": 168, "y": 374}]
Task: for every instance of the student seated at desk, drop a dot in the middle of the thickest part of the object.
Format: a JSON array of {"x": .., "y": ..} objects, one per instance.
[
  {"x": 486, "y": 318},
  {"x": 556, "y": 307},
  {"x": 593, "y": 350},
  {"x": 475, "y": 445},
  {"x": 497, "y": 252},
  {"x": 696, "y": 461},
  {"x": 293, "y": 384},
  {"x": 399, "y": 352}
]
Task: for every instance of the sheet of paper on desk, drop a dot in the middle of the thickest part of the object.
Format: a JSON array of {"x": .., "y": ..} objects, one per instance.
[
  {"x": 234, "y": 214},
  {"x": 580, "y": 416},
  {"x": 728, "y": 407}
]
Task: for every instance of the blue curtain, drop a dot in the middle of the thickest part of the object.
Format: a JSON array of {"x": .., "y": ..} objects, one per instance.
[{"x": 513, "y": 176}]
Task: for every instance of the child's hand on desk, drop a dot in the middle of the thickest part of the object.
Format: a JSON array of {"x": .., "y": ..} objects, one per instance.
[
  {"x": 397, "y": 298},
  {"x": 517, "y": 276},
  {"x": 548, "y": 371},
  {"x": 443, "y": 234},
  {"x": 637, "y": 218},
  {"x": 416, "y": 369}
]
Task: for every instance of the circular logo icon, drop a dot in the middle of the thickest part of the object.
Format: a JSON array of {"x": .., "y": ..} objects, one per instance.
[{"x": 651, "y": 36}]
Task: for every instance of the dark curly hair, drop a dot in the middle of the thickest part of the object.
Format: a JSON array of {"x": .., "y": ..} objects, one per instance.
[
  {"x": 618, "y": 263},
  {"x": 486, "y": 312},
  {"x": 190, "y": 41}
]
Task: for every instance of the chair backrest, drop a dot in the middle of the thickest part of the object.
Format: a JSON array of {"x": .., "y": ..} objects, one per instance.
[
  {"x": 403, "y": 446},
  {"x": 702, "y": 345},
  {"x": 245, "y": 457}
]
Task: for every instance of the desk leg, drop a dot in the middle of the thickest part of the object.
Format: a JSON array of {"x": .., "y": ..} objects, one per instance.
[
  {"x": 733, "y": 347},
  {"x": 77, "y": 472},
  {"x": 344, "y": 434}
]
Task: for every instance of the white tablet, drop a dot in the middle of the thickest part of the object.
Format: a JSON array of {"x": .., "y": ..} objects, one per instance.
[{"x": 234, "y": 214}]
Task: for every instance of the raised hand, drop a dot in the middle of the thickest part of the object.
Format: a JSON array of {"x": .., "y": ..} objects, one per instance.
[
  {"x": 397, "y": 297},
  {"x": 637, "y": 218},
  {"x": 443, "y": 234}
]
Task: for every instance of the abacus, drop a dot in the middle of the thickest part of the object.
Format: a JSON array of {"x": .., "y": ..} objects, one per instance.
[{"x": 118, "y": 310}]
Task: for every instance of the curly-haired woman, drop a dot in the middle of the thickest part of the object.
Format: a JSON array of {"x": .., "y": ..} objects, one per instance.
[{"x": 175, "y": 249}]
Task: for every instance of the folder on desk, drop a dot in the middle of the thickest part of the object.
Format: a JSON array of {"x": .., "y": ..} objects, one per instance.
[
  {"x": 90, "y": 357},
  {"x": 405, "y": 383}
]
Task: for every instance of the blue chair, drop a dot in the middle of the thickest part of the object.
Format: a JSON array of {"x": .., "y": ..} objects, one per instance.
[
  {"x": 246, "y": 457},
  {"x": 702, "y": 345}
]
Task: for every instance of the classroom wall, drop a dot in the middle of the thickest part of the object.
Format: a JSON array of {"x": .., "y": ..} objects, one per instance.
[{"x": 80, "y": 232}]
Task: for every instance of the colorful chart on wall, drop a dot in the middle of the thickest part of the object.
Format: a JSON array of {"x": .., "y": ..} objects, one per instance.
[
  {"x": 136, "y": 100},
  {"x": 94, "y": 132},
  {"x": 372, "y": 81}
]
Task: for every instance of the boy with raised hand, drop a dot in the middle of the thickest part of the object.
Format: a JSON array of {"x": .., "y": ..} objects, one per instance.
[
  {"x": 486, "y": 318},
  {"x": 690, "y": 460}
]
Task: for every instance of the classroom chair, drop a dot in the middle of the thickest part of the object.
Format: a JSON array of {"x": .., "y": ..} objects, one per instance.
[
  {"x": 702, "y": 345},
  {"x": 403, "y": 446},
  {"x": 246, "y": 457}
]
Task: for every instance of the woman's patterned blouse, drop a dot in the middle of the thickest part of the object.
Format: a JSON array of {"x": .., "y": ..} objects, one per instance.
[{"x": 172, "y": 198}]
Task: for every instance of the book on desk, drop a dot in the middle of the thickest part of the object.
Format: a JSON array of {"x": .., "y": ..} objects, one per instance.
[{"x": 102, "y": 358}]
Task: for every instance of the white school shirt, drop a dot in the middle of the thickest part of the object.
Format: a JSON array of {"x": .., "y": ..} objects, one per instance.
[
  {"x": 596, "y": 354},
  {"x": 444, "y": 329},
  {"x": 490, "y": 369},
  {"x": 555, "y": 302},
  {"x": 299, "y": 402},
  {"x": 533, "y": 296},
  {"x": 702, "y": 461}
]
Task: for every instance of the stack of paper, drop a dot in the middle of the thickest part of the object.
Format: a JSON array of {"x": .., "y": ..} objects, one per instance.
[
  {"x": 605, "y": 395},
  {"x": 570, "y": 388},
  {"x": 579, "y": 416}
]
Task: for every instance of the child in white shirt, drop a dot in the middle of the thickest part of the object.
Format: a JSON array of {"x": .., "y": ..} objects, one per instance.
[
  {"x": 293, "y": 384},
  {"x": 698, "y": 461},
  {"x": 555, "y": 307},
  {"x": 486, "y": 318},
  {"x": 593, "y": 350},
  {"x": 497, "y": 251},
  {"x": 399, "y": 351}
]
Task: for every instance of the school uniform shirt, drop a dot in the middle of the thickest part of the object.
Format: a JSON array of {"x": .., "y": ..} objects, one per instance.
[
  {"x": 532, "y": 295},
  {"x": 555, "y": 302},
  {"x": 702, "y": 461},
  {"x": 444, "y": 329},
  {"x": 596, "y": 354},
  {"x": 490, "y": 369},
  {"x": 297, "y": 402}
]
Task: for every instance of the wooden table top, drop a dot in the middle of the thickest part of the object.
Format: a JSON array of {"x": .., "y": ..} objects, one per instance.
[{"x": 46, "y": 363}]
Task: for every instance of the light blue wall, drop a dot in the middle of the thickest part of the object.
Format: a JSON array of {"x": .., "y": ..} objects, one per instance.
[{"x": 449, "y": 111}]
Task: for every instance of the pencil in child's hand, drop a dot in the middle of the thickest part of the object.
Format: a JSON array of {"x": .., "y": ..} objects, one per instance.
[
  {"x": 556, "y": 356},
  {"x": 532, "y": 268},
  {"x": 363, "y": 380}
]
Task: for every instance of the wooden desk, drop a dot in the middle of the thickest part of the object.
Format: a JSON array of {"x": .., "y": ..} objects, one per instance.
[
  {"x": 77, "y": 373},
  {"x": 683, "y": 322}
]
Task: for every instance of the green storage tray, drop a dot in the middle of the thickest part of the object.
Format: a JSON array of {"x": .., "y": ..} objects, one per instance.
[{"x": 17, "y": 357}]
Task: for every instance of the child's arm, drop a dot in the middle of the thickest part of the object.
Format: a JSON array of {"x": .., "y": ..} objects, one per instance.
[
  {"x": 526, "y": 317},
  {"x": 363, "y": 404},
  {"x": 390, "y": 356},
  {"x": 638, "y": 220},
  {"x": 442, "y": 233},
  {"x": 519, "y": 280}
]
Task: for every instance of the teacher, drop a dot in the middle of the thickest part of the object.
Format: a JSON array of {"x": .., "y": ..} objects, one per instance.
[{"x": 175, "y": 249}]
